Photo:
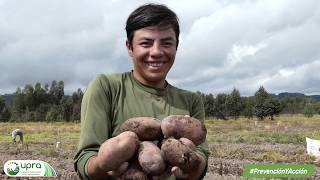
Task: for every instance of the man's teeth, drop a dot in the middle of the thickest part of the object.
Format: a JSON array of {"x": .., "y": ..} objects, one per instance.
[{"x": 155, "y": 64}]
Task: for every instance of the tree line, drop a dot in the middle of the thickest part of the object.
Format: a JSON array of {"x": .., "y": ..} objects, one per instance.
[
  {"x": 261, "y": 105},
  {"x": 49, "y": 103},
  {"x": 42, "y": 103}
]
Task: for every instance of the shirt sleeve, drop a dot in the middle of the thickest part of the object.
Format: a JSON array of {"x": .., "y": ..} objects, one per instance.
[
  {"x": 199, "y": 113},
  {"x": 95, "y": 123}
]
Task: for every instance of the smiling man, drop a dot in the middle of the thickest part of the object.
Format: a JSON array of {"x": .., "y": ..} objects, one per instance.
[
  {"x": 152, "y": 42},
  {"x": 153, "y": 50}
]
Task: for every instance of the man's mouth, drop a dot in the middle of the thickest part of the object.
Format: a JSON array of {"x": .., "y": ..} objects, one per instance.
[{"x": 155, "y": 65}]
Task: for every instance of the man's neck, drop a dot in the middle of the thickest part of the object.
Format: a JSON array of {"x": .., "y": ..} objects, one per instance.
[{"x": 158, "y": 84}]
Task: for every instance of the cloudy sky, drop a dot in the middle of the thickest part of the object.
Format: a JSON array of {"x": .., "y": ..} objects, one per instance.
[{"x": 224, "y": 44}]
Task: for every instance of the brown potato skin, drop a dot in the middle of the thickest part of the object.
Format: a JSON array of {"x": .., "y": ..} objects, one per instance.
[
  {"x": 176, "y": 153},
  {"x": 147, "y": 128},
  {"x": 151, "y": 158},
  {"x": 179, "y": 126},
  {"x": 117, "y": 150},
  {"x": 134, "y": 172},
  {"x": 188, "y": 143}
]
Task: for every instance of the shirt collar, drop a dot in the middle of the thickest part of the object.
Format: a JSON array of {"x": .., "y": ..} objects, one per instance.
[{"x": 150, "y": 89}]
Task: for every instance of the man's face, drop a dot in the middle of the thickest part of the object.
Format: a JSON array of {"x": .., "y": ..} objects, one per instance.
[{"x": 153, "y": 52}]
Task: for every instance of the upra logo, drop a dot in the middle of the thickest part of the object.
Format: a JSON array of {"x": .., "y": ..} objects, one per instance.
[
  {"x": 30, "y": 165},
  {"x": 28, "y": 168},
  {"x": 13, "y": 168}
]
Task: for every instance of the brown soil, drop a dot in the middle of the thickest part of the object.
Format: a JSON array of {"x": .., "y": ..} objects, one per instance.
[{"x": 219, "y": 168}]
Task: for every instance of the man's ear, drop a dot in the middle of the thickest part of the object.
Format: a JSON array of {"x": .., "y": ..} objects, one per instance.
[{"x": 129, "y": 48}]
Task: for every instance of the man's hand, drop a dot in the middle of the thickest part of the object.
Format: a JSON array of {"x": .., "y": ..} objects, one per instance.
[
  {"x": 113, "y": 156},
  {"x": 191, "y": 175},
  {"x": 165, "y": 175},
  {"x": 120, "y": 170},
  {"x": 97, "y": 173}
]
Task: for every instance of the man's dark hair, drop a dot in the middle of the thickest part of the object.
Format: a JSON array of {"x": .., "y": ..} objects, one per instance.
[{"x": 151, "y": 15}]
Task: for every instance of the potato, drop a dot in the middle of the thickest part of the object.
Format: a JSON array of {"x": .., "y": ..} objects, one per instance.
[
  {"x": 188, "y": 143},
  {"x": 117, "y": 150},
  {"x": 178, "y": 126},
  {"x": 134, "y": 172},
  {"x": 147, "y": 128},
  {"x": 151, "y": 158},
  {"x": 176, "y": 153}
]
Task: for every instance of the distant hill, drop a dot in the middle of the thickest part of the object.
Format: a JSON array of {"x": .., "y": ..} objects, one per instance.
[
  {"x": 287, "y": 94},
  {"x": 315, "y": 97},
  {"x": 8, "y": 98}
]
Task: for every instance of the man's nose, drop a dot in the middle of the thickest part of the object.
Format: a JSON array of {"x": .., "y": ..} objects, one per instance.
[{"x": 156, "y": 50}]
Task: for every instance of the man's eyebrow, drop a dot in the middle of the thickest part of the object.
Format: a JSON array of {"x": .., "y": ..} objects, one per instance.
[
  {"x": 150, "y": 39},
  {"x": 168, "y": 39},
  {"x": 145, "y": 39}
]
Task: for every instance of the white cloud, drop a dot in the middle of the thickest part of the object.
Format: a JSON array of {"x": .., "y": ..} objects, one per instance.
[
  {"x": 286, "y": 72},
  {"x": 239, "y": 52},
  {"x": 223, "y": 44}
]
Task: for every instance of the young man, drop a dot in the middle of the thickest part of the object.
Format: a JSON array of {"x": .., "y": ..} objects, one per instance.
[{"x": 152, "y": 41}]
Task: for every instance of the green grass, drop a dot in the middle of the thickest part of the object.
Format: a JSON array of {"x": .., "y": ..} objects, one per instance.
[
  {"x": 270, "y": 156},
  {"x": 246, "y": 138},
  {"x": 283, "y": 130},
  {"x": 41, "y": 138},
  {"x": 40, "y": 131}
]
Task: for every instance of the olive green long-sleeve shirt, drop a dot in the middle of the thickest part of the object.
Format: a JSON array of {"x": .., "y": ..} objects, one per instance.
[{"x": 111, "y": 99}]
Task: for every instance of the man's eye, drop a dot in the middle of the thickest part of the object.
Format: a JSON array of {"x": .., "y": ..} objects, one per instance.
[
  {"x": 168, "y": 44},
  {"x": 145, "y": 44}
]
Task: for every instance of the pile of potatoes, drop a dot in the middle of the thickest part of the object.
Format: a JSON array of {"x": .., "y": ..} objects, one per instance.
[{"x": 155, "y": 146}]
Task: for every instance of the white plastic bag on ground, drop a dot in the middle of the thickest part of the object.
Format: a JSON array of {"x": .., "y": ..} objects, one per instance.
[{"x": 313, "y": 147}]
